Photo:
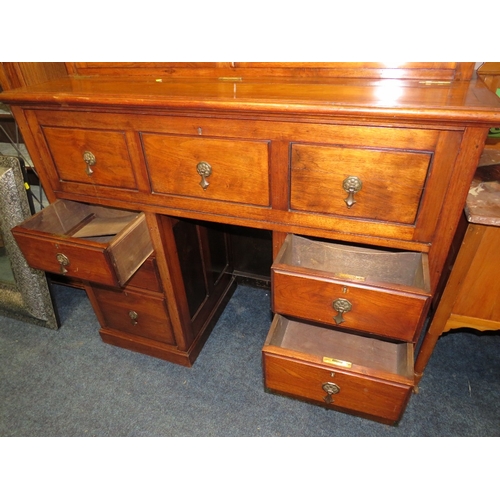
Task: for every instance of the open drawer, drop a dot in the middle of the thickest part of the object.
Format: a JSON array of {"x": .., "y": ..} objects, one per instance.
[
  {"x": 376, "y": 291},
  {"x": 88, "y": 242},
  {"x": 339, "y": 370}
]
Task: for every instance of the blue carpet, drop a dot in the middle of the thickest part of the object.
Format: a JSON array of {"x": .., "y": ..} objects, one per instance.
[{"x": 69, "y": 383}]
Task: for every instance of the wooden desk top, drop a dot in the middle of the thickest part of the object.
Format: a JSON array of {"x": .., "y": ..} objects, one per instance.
[{"x": 454, "y": 102}]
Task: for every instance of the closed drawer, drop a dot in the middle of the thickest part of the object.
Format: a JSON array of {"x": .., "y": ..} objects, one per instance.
[
  {"x": 90, "y": 156},
  {"x": 88, "y": 242},
  {"x": 381, "y": 292},
  {"x": 213, "y": 169},
  {"x": 144, "y": 315},
  {"x": 360, "y": 375},
  {"x": 385, "y": 185}
]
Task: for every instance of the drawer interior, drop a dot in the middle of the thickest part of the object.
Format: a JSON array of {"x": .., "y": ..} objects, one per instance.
[
  {"x": 79, "y": 220},
  {"x": 357, "y": 264},
  {"x": 341, "y": 349},
  {"x": 84, "y": 241}
]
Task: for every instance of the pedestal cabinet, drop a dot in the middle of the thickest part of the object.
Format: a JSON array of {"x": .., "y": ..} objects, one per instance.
[
  {"x": 360, "y": 171},
  {"x": 111, "y": 251},
  {"x": 345, "y": 321}
]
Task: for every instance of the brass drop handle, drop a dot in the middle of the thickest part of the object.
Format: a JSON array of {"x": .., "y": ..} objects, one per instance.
[
  {"x": 63, "y": 262},
  {"x": 330, "y": 388},
  {"x": 90, "y": 160},
  {"x": 351, "y": 185},
  {"x": 341, "y": 306},
  {"x": 204, "y": 169},
  {"x": 133, "y": 317}
]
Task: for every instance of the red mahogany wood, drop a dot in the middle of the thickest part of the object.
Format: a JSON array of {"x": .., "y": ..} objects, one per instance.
[
  {"x": 139, "y": 314},
  {"x": 388, "y": 292},
  {"x": 117, "y": 242},
  {"x": 457, "y": 102},
  {"x": 424, "y": 71},
  {"x": 374, "y": 378}
]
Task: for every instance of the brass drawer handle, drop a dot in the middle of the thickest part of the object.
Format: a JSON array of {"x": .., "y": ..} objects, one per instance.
[
  {"x": 330, "y": 388},
  {"x": 341, "y": 306},
  {"x": 90, "y": 160},
  {"x": 351, "y": 185},
  {"x": 133, "y": 317},
  {"x": 204, "y": 169},
  {"x": 63, "y": 262}
]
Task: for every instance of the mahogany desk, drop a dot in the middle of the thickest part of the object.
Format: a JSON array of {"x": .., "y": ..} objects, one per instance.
[{"x": 360, "y": 170}]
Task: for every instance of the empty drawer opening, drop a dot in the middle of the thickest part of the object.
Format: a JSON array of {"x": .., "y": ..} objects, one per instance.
[
  {"x": 79, "y": 220},
  {"x": 102, "y": 227},
  {"x": 340, "y": 349},
  {"x": 356, "y": 263}
]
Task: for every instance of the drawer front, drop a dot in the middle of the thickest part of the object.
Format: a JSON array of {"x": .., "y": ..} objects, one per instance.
[
  {"x": 378, "y": 399},
  {"x": 84, "y": 156},
  {"x": 135, "y": 313},
  {"x": 69, "y": 259},
  {"x": 387, "y": 313},
  {"x": 112, "y": 245},
  {"x": 385, "y": 185},
  {"x": 214, "y": 169}
]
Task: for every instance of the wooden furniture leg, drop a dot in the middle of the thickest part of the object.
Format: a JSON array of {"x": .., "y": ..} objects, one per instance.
[{"x": 437, "y": 327}]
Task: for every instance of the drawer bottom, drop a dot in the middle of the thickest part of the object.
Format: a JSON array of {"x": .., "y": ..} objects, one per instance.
[{"x": 370, "y": 378}]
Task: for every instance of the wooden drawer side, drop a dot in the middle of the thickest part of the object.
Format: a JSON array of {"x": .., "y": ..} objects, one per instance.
[{"x": 130, "y": 249}]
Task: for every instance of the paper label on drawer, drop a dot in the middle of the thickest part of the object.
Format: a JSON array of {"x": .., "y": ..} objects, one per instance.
[{"x": 337, "y": 362}]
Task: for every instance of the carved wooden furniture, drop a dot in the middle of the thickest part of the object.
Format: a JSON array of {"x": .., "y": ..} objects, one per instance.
[{"x": 360, "y": 171}]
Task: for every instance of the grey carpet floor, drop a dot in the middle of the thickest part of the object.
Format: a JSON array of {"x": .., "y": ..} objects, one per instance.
[{"x": 69, "y": 383}]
